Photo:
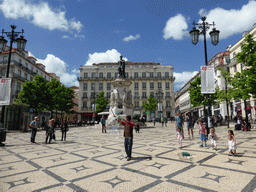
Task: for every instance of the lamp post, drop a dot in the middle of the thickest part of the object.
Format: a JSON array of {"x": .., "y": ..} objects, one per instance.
[
  {"x": 21, "y": 44},
  {"x": 159, "y": 95},
  {"x": 94, "y": 95},
  {"x": 194, "y": 33}
]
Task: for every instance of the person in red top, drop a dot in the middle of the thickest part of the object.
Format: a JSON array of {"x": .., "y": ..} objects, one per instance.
[{"x": 128, "y": 134}]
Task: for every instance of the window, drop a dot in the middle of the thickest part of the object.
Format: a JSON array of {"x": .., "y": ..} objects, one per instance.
[
  {"x": 242, "y": 66},
  {"x": 152, "y": 93},
  {"x": 158, "y": 74},
  {"x": 144, "y": 85},
  {"x": 3, "y": 72},
  {"x": 26, "y": 65},
  {"x": 84, "y": 94},
  {"x": 136, "y": 75},
  {"x": 159, "y": 85},
  {"x": 18, "y": 87},
  {"x": 136, "y": 95},
  {"x": 19, "y": 72},
  {"x": 5, "y": 60},
  {"x": 127, "y": 75},
  {"x": 166, "y": 74},
  {"x": 20, "y": 61},
  {"x": 116, "y": 74},
  {"x": 31, "y": 78},
  {"x": 84, "y": 104},
  {"x": 108, "y": 86},
  {"x": 26, "y": 76},
  {"x": 93, "y": 86},
  {"x": 235, "y": 68},
  {"x": 167, "y": 85},
  {"x": 36, "y": 71},
  {"x": 101, "y": 75},
  {"x": 234, "y": 54},
  {"x": 136, "y": 104},
  {"x": 228, "y": 69},
  {"x": 100, "y": 86},
  {"x": 108, "y": 95},
  {"x": 85, "y": 75},
  {"x": 167, "y": 94},
  {"x": 136, "y": 86},
  {"x": 168, "y": 104},
  {"x": 151, "y": 75},
  {"x": 144, "y": 75},
  {"x": 144, "y": 95},
  {"x": 85, "y": 86},
  {"x": 151, "y": 85},
  {"x": 109, "y": 75},
  {"x": 93, "y": 75}
]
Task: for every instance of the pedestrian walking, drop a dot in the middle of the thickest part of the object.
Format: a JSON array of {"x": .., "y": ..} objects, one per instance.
[
  {"x": 165, "y": 121},
  {"x": 128, "y": 134},
  {"x": 213, "y": 137},
  {"x": 64, "y": 129},
  {"x": 179, "y": 136},
  {"x": 103, "y": 124},
  {"x": 34, "y": 125},
  {"x": 231, "y": 145},
  {"x": 49, "y": 131},
  {"x": 162, "y": 121},
  {"x": 137, "y": 128},
  {"x": 179, "y": 122},
  {"x": 202, "y": 133},
  {"x": 154, "y": 121},
  {"x": 190, "y": 125}
]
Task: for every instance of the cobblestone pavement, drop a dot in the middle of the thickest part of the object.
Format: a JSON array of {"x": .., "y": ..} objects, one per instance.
[{"x": 92, "y": 161}]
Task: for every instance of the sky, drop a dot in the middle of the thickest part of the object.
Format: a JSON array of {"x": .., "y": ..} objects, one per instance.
[{"x": 67, "y": 34}]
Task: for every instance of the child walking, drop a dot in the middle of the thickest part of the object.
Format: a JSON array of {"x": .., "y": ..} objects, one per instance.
[
  {"x": 202, "y": 133},
  {"x": 231, "y": 145},
  {"x": 179, "y": 136},
  {"x": 213, "y": 137}
]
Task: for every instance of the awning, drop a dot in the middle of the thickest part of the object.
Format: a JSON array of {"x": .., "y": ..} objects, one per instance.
[
  {"x": 104, "y": 113},
  {"x": 86, "y": 114},
  {"x": 239, "y": 109}
]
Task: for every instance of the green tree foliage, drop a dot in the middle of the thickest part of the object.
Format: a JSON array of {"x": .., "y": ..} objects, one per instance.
[
  {"x": 197, "y": 98},
  {"x": 151, "y": 104},
  {"x": 34, "y": 94},
  {"x": 101, "y": 102},
  {"x": 244, "y": 83},
  {"x": 42, "y": 95}
]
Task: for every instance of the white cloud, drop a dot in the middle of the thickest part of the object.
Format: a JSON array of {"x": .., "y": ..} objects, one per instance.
[
  {"x": 108, "y": 56},
  {"x": 130, "y": 38},
  {"x": 182, "y": 78},
  {"x": 75, "y": 71},
  {"x": 232, "y": 22},
  {"x": 55, "y": 65},
  {"x": 40, "y": 14},
  {"x": 65, "y": 37},
  {"x": 176, "y": 27}
]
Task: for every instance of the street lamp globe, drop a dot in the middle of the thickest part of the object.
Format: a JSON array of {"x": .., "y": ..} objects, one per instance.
[
  {"x": 215, "y": 36},
  {"x": 194, "y": 34},
  {"x": 2, "y": 43},
  {"x": 21, "y": 43}
]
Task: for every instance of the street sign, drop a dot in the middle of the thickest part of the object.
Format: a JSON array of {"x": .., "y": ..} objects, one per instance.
[
  {"x": 5, "y": 93},
  {"x": 207, "y": 80},
  {"x": 147, "y": 112}
]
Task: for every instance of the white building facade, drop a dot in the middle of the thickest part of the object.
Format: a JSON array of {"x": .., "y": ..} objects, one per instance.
[{"x": 146, "y": 79}]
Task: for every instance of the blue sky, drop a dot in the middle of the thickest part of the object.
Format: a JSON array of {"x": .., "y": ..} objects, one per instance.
[{"x": 65, "y": 34}]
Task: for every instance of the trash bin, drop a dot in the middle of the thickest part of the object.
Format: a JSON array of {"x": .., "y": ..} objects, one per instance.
[{"x": 2, "y": 136}]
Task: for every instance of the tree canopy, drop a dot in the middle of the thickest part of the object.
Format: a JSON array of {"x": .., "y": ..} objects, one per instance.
[
  {"x": 151, "y": 104},
  {"x": 101, "y": 102}
]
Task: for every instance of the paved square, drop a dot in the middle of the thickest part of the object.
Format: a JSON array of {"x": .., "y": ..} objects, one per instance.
[{"x": 92, "y": 161}]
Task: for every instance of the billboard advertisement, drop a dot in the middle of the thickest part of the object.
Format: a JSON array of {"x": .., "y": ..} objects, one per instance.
[
  {"x": 207, "y": 80},
  {"x": 5, "y": 91}
]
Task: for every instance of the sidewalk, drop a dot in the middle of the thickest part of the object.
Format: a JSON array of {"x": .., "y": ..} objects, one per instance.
[{"x": 93, "y": 161}]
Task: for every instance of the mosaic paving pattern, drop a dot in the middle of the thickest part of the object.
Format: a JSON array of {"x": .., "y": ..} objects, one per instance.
[{"x": 92, "y": 161}]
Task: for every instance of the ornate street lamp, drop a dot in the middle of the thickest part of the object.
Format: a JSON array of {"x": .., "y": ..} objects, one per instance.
[
  {"x": 94, "y": 95},
  {"x": 21, "y": 44},
  {"x": 159, "y": 96},
  {"x": 194, "y": 34}
]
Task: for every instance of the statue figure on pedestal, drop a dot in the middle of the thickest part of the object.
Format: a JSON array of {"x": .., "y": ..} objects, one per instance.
[
  {"x": 112, "y": 98},
  {"x": 125, "y": 97},
  {"x": 129, "y": 97},
  {"x": 116, "y": 96},
  {"x": 121, "y": 69}
]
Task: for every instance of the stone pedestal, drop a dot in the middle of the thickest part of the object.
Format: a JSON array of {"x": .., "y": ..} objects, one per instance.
[{"x": 120, "y": 99}]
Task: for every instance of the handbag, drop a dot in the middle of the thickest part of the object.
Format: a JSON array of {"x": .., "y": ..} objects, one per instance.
[{"x": 53, "y": 137}]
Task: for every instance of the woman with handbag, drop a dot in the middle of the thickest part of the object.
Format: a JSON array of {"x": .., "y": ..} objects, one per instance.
[
  {"x": 49, "y": 131},
  {"x": 64, "y": 129}
]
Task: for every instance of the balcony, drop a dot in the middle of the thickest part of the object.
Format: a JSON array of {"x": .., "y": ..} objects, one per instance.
[
  {"x": 136, "y": 97},
  {"x": 167, "y": 97},
  {"x": 15, "y": 75},
  {"x": 144, "y": 97},
  {"x": 233, "y": 62},
  {"x": 84, "y": 108},
  {"x": 84, "y": 98},
  {"x": 167, "y": 107},
  {"x": 136, "y": 107}
]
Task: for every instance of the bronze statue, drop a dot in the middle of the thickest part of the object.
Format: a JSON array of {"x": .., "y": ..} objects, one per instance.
[{"x": 121, "y": 68}]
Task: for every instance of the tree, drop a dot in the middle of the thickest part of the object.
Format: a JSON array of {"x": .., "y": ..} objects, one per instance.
[
  {"x": 101, "y": 102},
  {"x": 34, "y": 93},
  {"x": 197, "y": 98},
  {"x": 151, "y": 104},
  {"x": 244, "y": 83},
  {"x": 225, "y": 94}
]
